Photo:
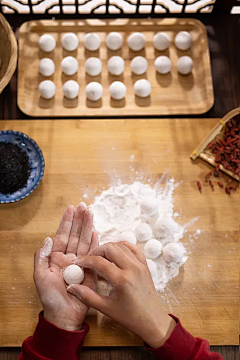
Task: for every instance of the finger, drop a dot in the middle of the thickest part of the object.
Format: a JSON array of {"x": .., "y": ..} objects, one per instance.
[
  {"x": 86, "y": 234},
  {"x": 127, "y": 251},
  {"x": 90, "y": 297},
  {"x": 64, "y": 230},
  {"x": 41, "y": 258},
  {"x": 101, "y": 266},
  {"x": 76, "y": 228},
  {"x": 136, "y": 251},
  {"x": 94, "y": 241},
  {"x": 112, "y": 252}
]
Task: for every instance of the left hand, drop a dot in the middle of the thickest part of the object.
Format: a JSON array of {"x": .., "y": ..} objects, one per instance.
[{"x": 75, "y": 237}]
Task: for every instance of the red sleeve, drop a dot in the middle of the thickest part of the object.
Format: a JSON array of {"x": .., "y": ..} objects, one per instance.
[
  {"x": 51, "y": 343},
  {"x": 182, "y": 345}
]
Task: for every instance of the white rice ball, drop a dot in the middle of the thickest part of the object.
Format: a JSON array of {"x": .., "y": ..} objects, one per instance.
[
  {"x": 136, "y": 41},
  {"x": 161, "y": 41},
  {"x": 185, "y": 65},
  {"x": 70, "y": 41},
  {"x": 69, "y": 65},
  {"x": 152, "y": 266},
  {"x": 94, "y": 91},
  {"x": 139, "y": 65},
  {"x": 117, "y": 90},
  {"x": 73, "y": 274},
  {"x": 116, "y": 65},
  {"x": 163, "y": 64},
  {"x": 47, "y": 43},
  {"x": 71, "y": 89},
  {"x": 183, "y": 40},
  {"x": 164, "y": 227},
  {"x": 143, "y": 232},
  {"x": 153, "y": 249},
  {"x": 173, "y": 253},
  {"x": 46, "y": 67},
  {"x": 114, "y": 41},
  {"x": 47, "y": 89},
  {"x": 149, "y": 206},
  {"x": 92, "y": 41},
  {"x": 142, "y": 88},
  {"x": 93, "y": 66},
  {"x": 127, "y": 236}
]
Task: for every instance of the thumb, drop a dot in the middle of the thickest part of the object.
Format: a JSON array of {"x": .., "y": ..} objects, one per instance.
[
  {"x": 41, "y": 260},
  {"x": 89, "y": 297}
]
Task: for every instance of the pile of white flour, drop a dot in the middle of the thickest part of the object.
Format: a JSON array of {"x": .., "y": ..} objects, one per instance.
[{"x": 120, "y": 210}]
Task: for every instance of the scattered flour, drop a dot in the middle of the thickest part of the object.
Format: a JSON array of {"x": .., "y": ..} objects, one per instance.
[{"x": 126, "y": 208}]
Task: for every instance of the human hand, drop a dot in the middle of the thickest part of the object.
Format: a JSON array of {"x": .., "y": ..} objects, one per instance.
[
  {"x": 133, "y": 301},
  {"x": 74, "y": 238}
]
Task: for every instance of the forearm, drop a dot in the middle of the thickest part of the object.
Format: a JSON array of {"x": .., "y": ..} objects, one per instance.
[
  {"x": 182, "y": 345},
  {"x": 52, "y": 343}
]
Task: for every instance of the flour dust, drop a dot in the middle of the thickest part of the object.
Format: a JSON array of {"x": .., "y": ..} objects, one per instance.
[{"x": 123, "y": 209}]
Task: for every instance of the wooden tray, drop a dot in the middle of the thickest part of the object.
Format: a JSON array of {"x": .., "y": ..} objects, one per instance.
[
  {"x": 84, "y": 155},
  {"x": 171, "y": 93}
]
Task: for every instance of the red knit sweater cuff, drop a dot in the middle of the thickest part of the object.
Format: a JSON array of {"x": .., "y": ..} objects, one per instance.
[
  {"x": 179, "y": 345},
  {"x": 52, "y": 342}
]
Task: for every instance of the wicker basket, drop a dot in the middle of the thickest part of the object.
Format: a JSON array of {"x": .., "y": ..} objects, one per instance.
[{"x": 8, "y": 53}]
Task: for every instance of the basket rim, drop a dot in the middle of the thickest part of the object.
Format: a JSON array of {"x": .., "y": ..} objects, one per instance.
[{"x": 13, "y": 59}]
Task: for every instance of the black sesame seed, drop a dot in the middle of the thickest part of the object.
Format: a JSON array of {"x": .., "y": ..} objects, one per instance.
[{"x": 14, "y": 168}]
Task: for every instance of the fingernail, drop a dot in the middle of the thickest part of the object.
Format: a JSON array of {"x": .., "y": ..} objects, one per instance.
[
  {"x": 70, "y": 286},
  {"x": 46, "y": 240},
  {"x": 70, "y": 208},
  {"x": 90, "y": 211},
  {"x": 83, "y": 205}
]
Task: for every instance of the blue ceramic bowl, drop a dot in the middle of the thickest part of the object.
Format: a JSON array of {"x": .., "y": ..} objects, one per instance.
[{"x": 36, "y": 162}]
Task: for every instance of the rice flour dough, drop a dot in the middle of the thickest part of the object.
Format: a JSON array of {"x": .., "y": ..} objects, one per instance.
[{"x": 73, "y": 274}]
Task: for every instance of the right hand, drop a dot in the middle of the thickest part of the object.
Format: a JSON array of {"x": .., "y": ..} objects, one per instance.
[{"x": 133, "y": 301}]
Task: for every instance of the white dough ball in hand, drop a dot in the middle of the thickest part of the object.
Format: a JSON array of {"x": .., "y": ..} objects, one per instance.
[
  {"x": 117, "y": 90},
  {"x": 163, "y": 64},
  {"x": 47, "y": 43},
  {"x": 136, "y": 41},
  {"x": 143, "y": 232},
  {"x": 139, "y": 65},
  {"x": 142, "y": 88},
  {"x": 173, "y": 253},
  {"x": 71, "y": 89},
  {"x": 70, "y": 41},
  {"x": 153, "y": 249},
  {"x": 161, "y": 41},
  {"x": 116, "y": 65},
  {"x": 92, "y": 41},
  {"x": 152, "y": 266},
  {"x": 73, "y": 274},
  {"x": 69, "y": 65},
  {"x": 183, "y": 40},
  {"x": 127, "y": 236},
  {"x": 114, "y": 40},
  {"x": 185, "y": 65},
  {"x": 47, "y": 89},
  {"x": 94, "y": 91},
  {"x": 46, "y": 67},
  {"x": 93, "y": 66}
]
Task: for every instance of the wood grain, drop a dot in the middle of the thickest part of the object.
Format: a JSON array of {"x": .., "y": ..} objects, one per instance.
[
  {"x": 171, "y": 94},
  {"x": 83, "y": 156}
]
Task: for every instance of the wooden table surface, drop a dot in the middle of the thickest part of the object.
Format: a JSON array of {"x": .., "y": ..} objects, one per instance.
[
  {"x": 81, "y": 158},
  {"x": 225, "y": 58}
]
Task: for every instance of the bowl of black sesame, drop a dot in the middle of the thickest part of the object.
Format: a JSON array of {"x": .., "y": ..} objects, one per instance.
[{"x": 21, "y": 166}]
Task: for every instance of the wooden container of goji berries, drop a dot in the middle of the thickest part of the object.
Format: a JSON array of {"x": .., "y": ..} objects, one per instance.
[{"x": 221, "y": 148}]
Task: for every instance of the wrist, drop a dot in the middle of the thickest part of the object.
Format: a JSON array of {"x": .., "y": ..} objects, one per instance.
[
  {"x": 156, "y": 335},
  {"x": 63, "y": 322}
]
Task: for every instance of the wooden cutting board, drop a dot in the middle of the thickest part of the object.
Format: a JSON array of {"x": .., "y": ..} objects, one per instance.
[
  {"x": 81, "y": 157},
  {"x": 171, "y": 94}
]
